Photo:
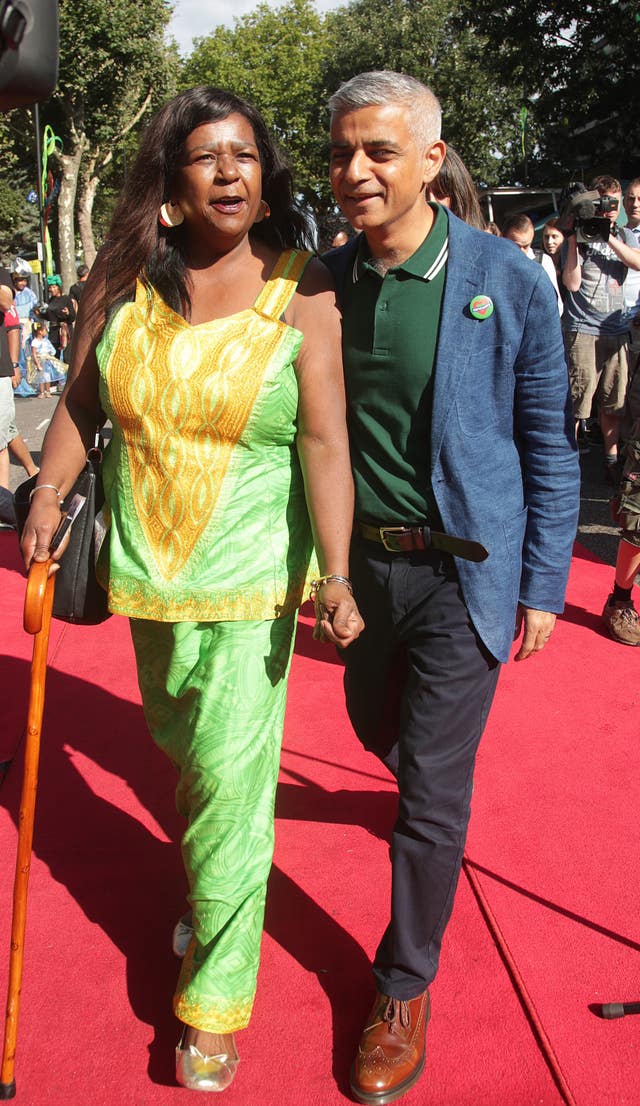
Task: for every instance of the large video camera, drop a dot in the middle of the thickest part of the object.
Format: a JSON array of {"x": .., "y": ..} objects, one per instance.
[
  {"x": 28, "y": 51},
  {"x": 582, "y": 211}
]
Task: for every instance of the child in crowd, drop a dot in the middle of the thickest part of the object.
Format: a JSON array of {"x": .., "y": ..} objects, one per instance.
[{"x": 42, "y": 350}]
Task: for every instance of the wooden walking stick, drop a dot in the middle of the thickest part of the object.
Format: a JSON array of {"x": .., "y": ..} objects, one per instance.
[{"x": 37, "y": 621}]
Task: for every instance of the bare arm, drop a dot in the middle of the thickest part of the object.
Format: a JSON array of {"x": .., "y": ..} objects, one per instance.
[
  {"x": 6, "y": 297},
  {"x": 13, "y": 342},
  {"x": 70, "y": 310},
  {"x": 627, "y": 254},
  {"x": 71, "y": 432},
  {"x": 323, "y": 447},
  {"x": 572, "y": 271}
]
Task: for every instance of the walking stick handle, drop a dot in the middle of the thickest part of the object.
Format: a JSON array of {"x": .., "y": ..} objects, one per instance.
[
  {"x": 35, "y": 596},
  {"x": 37, "y": 621}
]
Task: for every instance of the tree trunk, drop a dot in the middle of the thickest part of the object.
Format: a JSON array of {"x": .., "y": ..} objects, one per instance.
[
  {"x": 66, "y": 204},
  {"x": 86, "y": 199},
  {"x": 97, "y": 162}
]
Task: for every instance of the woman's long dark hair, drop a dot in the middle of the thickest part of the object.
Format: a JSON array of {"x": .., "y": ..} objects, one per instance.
[
  {"x": 454, "y": 182},
  {"x": 137, "y": 245}
]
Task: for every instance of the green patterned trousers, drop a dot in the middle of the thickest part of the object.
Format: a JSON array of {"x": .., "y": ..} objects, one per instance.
[{"x": 214, "y": 697}]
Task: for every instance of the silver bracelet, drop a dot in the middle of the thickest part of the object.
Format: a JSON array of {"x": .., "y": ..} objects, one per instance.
[
  {"x": 332, "y": 579},
  {"x": 53, "y": 489}
]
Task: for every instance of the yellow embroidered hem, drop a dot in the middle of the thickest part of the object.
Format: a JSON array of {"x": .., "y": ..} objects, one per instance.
[
  {"x": 219, "y": 1016},
  {"x": 132, "y": 599}
]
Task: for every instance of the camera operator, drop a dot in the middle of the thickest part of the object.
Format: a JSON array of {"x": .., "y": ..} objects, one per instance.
[{"x": 595, "y": 320}]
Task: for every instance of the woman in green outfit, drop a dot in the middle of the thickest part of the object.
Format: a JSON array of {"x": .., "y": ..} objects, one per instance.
[{"x": 210, "y": 338}]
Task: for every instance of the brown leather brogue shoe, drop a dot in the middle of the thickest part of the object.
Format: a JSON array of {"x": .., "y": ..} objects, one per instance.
[{"x": 391, "y": 1052}]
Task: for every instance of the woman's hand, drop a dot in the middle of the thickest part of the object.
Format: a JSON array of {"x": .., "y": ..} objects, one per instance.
[
  {"x": 41, "y": 524},
  {"x": 337, "y": 616}
]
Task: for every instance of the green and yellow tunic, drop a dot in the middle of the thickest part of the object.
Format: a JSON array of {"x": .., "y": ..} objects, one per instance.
[{"x": 206, "y": 505}]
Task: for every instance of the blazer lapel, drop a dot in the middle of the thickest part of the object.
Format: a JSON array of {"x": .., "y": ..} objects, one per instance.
[{"x": 464, "y": 280}]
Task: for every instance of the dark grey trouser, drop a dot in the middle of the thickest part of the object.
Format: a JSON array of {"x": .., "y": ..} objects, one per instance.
[{"x": 419, "y": 685}]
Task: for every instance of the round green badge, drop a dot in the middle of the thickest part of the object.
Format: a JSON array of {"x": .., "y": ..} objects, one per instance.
[{"x": 481, "y": 307}]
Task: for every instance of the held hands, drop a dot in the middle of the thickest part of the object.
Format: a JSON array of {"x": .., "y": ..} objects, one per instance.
[
  {"x": 538, "y": 627},
  {"x": 337, "y": 617}
]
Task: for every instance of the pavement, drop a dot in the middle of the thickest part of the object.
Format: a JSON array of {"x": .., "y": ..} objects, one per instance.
[
  {"x": 33, "y": 416},
  {"x": 595, "y": 531}
]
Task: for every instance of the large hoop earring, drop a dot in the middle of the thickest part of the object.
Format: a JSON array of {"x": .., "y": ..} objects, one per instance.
[{"x": 170, "y": 215}]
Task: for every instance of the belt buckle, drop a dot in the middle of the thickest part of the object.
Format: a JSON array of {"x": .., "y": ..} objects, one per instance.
[{"x": 384, "y": 530}]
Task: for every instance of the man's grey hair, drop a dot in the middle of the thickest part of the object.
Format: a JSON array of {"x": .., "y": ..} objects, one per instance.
[{"x": 383, "y": 86}]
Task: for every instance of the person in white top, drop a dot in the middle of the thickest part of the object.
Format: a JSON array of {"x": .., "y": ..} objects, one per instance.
[
  {"x": 552, "y": 239},
  {"x": 520, "y": 230}
]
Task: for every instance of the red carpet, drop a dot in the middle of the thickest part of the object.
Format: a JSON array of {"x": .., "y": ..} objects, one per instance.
[{"x": 552, "y": 837}]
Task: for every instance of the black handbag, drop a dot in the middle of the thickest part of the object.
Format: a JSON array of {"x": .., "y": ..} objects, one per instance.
[{"x": 78, "y": 597}]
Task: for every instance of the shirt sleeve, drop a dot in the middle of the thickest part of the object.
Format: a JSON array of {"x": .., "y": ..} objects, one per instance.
[
  {"x": 550, "y": 270},
  {"x": 11, "y": 318}
]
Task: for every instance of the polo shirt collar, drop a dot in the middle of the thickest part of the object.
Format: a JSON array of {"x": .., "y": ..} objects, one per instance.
[{"x": 422, "y": 264}]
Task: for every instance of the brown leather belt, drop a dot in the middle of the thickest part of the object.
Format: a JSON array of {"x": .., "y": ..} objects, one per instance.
[{"x": 409, "y": 539}]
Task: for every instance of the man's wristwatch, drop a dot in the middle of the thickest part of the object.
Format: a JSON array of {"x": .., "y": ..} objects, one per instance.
[{"x": 15, "y": 364}]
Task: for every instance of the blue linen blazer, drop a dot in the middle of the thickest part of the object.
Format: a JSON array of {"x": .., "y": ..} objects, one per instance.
[{"x": 504, "y": 462}]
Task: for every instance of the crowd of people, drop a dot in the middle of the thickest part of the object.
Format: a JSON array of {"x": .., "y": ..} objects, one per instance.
[
  {"x": 283, "y": 427},
  {"x": 10, "y": 377},
  {"x": 602, "y": 311},
  {"x": 35, "y": 340}
]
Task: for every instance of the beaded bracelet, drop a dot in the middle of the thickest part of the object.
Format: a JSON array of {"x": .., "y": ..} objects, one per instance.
[
  {"x": 53, "y": 489},
  {"x": 332, "y": 579}
]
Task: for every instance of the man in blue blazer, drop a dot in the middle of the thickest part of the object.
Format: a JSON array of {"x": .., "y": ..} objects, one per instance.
[{"x": 467, "y": 492}]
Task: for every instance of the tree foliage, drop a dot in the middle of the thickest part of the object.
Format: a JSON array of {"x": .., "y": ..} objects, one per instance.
[
  {"x": 18, "y": 218},
  {"x": 114, "y": 69},
  {"x": 427, "y": 41},
  {"x": 575, "y": 68}
]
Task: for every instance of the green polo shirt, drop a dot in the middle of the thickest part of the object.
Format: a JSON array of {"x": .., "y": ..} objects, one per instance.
[{"x": 390, "y": 331}]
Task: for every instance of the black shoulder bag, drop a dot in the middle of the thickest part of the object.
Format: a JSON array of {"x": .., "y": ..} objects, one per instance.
[{"x": 78, "y": 597}]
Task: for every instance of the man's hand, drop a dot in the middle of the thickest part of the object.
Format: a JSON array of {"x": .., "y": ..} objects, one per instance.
[{"x": 538, "y": 627}]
